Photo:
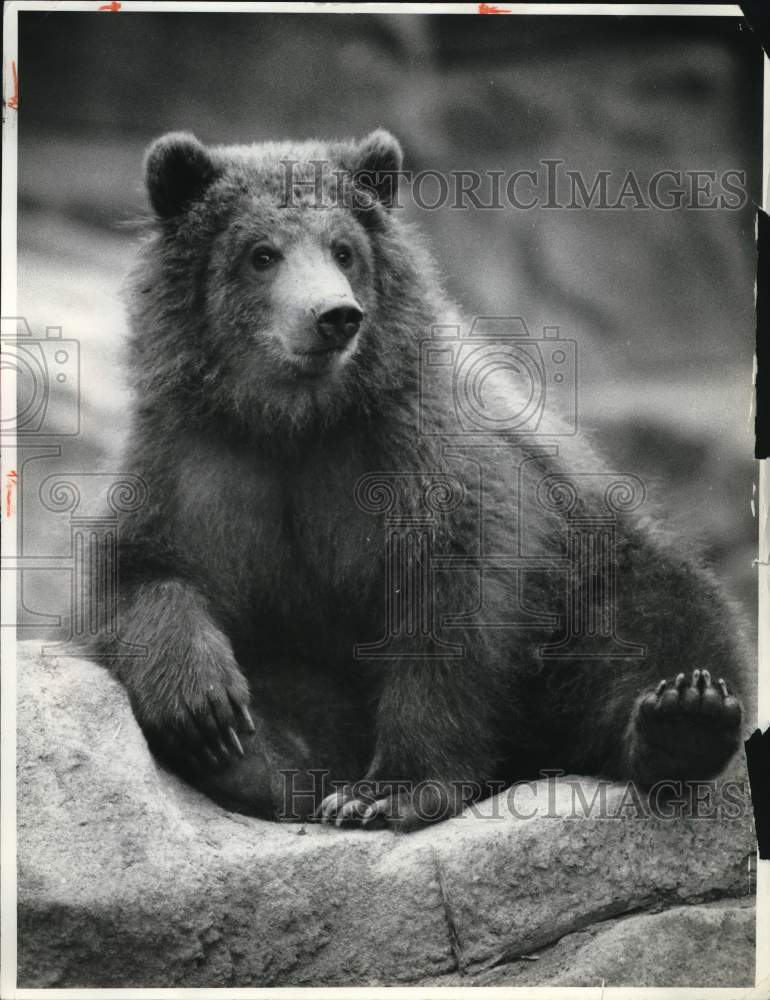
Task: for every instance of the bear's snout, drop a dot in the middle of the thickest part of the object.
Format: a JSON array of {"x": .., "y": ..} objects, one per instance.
[{"x": 338, "y": 325}]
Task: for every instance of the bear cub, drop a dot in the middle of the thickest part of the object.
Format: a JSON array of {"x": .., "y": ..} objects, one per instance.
[{"x": 353, "y": 604}]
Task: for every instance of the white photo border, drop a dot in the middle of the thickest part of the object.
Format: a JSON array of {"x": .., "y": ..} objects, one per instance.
[{"x": 8, "y": 296}]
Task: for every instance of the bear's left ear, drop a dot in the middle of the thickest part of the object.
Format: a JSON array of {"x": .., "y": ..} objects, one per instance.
[
  {"x": 177, "y": 171},
  {"x": 376, "y": 162}
]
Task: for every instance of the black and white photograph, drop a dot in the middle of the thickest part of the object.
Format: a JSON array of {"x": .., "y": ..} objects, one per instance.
[{"x": 386, "y": 548}]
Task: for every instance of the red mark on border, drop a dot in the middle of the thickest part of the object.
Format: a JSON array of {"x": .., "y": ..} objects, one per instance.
[
  {"x": 10, "y": 485},
  {"x": 13, "y": 100},
  {"x": 113, "y": 7},
  {"x": 489, "y": 8}
]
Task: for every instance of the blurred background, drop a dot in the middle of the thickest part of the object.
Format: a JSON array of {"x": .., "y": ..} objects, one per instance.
[{"x": 659, "y": 302}]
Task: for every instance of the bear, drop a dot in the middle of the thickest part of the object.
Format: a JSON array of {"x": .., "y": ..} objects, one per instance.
[{"x": 354, "y": 604}]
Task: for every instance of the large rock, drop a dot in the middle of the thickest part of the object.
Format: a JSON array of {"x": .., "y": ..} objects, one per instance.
[
  {"x": 128, "y": 877},
  {"x": 708, "y": 945}
]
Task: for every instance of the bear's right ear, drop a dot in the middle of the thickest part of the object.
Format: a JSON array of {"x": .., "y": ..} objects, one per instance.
[{"x": 177, "y": 171}]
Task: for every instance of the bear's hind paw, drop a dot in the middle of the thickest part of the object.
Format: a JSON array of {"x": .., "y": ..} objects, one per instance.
[
  {"x": 697, "y": 699},
  {"x": 686, "y": 729},
  {"x": 401, "y": 809}
]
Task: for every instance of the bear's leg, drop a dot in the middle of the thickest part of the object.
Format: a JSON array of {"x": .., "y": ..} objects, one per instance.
[
  {"x": 290, "y": 757},
  {"x": 280, "y": 775},
  {"x": 262, "y": 747},
  {"x": 620, "y": 719},
  {"x": 687, "y": 729},
  {"x": 672, "y": 713},
  {"x": 188, "y": 692},
  {"x": 294, "y": 757},
  {"x": 435, "y": 746}
]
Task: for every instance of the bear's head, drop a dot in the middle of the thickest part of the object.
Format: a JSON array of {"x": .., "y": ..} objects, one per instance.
[{"x": 278, "y": 288}]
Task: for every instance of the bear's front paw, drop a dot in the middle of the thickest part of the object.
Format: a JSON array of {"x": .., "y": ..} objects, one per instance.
[
  {"x": 685, "y": 729},
  {"x": 192, "y": 711},
  {"x": 402, "y": 807}
]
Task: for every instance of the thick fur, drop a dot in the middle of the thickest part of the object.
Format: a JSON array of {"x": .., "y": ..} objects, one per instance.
[{"x": 252, "y": 573}]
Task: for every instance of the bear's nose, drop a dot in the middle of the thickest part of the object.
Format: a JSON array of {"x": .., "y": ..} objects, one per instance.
[{"x": 338, "y": 326}]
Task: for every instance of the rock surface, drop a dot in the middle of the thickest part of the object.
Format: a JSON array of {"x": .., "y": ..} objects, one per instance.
[
  {"x": 128, "y": 877},
  {"x": 689, "y": 946}
]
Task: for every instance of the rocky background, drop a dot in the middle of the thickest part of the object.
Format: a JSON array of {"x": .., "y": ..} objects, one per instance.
[
  {"x": 129, "y": 878},
  {"x": 659, "y": 302}
]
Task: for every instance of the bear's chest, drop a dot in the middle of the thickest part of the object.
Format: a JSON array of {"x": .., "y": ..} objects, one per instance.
[
  {"x": 279, "y": 536},
  {"x": 331, "y": 539}
]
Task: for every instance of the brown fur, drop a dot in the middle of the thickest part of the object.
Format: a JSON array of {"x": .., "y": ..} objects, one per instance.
[{"x": 252, "y": 572}]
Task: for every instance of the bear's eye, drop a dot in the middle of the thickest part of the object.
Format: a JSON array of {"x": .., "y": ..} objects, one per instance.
[
  {"x": 263, "y": 257},
  {"x": 343, "y": 255}
]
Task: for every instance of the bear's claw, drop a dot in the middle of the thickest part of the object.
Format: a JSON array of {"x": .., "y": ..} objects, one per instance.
[
  {"x": 370, "y": 807},
  {"x": 344, "y": 808},
  {"x": 685, "y": 730},
  {"x": 205, "y": 736},
  {"x": 330, "y": 806},
  {"x": 695, "y": 698},
  {"x": 246, "y": 715}
]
